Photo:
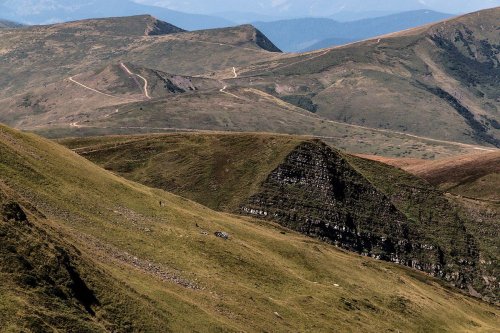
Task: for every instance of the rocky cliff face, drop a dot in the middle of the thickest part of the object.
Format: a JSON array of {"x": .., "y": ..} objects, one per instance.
[
  {"x": 156, "y": 27},
  {"x": 316, "y": 191}
]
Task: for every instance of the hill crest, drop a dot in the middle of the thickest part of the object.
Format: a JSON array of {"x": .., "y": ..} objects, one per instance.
[
  {"x": 137, "y": 25},
  {"x": 6, "y": 24}
]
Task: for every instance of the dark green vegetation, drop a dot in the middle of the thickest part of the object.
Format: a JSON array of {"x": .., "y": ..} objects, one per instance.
[
  {"x": 145, "y": 260},
  {"x": 363, "y": 206},
  {"x": 220, "y": 171}
]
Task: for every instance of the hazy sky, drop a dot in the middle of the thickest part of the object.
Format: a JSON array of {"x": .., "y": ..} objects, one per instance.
[
  {"x": 320, "y": 7},
  {"x": 230, "y": 11}
]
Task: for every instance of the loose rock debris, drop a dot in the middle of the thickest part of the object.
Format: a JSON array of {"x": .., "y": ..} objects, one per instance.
[{"x": 222, "y": 235}]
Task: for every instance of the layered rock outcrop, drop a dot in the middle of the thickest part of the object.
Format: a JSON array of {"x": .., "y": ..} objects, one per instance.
[{"x": 316, "y": 191}]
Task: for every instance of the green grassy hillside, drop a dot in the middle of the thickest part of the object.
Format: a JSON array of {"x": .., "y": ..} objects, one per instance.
[
  {"x": 296, "y": 182},
  {"x": 471, "y": 185},
  {"x": 127, "y": 239},
  {"x": 48, "y": 284}
]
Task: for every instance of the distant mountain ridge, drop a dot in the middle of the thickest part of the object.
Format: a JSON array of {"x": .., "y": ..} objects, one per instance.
[
  {"x": 309, "y": 34},
  {"x": 5, "y": 24},
  {"x": 36, "y": 12},
  {"x": 439, "y": 80},
  {"x": 326, "y": 8},
  {"x": 139, "y": 25}
]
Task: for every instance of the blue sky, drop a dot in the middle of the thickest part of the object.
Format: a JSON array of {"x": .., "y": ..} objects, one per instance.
[
  {"x": 319, "y": 7},
  {"x": 225, "y": 12}
]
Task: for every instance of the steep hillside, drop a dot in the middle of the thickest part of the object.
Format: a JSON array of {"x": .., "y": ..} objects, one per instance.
[
  {"x": 473, "y": 176},
  {"x": 307, "y": 186},
  {"x": 244, "y": 35},
  {"x": 472, "y": 184},
  {"x": 438, "y": 81},
  {"x": 48, "y": 284},
  {"x": 162, "y": 248}
]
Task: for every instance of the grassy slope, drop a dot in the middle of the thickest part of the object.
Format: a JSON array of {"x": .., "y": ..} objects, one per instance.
[
  {"x": 472, "y": 179},
  {"x": 161, "y": 160},
  {"x": 219, "y": 171},
  {"x": 223, "y": 170},
  {"x": 259, "y": 271},
  {"x": 244, "y": 110},
  {"x": 66, "y": 102},
  {"x": 473, "y": 176},
  {"x": 46, "y": 280}
]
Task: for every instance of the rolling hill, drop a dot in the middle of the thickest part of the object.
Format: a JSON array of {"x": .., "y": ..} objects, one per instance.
[
  {"x": 109, "y": 96},
  {"x": 36, "y": 12},
  {"x": 304, "y": 185},
  {"x": 384, "y": 90},
  {"x": 5, "y": 24},
  {"x": 437, "y": 81},
  {"x": 475, "y": 176},
  {"x": 110, "y": 254},
  {"x": 61, "y": 50}
]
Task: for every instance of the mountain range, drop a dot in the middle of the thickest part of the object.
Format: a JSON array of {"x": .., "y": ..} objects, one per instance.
[
  {"x": 445, "y": 72},
  {"x": 310, "y": 34},
  {"x": 154, "y": 179},
  {"x": 327, "y": 8}
]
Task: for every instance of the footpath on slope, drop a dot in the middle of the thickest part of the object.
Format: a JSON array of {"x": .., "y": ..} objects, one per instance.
[{"x": 145, "y": 88}]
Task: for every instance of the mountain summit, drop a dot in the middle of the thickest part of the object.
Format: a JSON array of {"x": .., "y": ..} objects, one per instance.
[{"x": 139, "y": 25}]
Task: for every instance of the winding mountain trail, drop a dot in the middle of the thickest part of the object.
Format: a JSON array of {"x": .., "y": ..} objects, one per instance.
[
  {"x": 303, "y": 60},
  {"x": 145, "y": 88},
  {"x": 223, "y": 90},
  {"x": 235, "y": 73},
  {"x": 99, "y": 92}
]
